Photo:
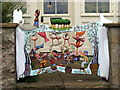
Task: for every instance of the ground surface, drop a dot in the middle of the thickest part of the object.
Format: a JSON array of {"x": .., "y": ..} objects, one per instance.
[{"x": 58, "y": 80}]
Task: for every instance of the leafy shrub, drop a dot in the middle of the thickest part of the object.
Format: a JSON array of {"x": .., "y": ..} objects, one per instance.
[{"x": 7, "y": 9}]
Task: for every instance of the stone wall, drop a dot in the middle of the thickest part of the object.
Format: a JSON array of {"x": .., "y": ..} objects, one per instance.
[
  {"x": 114, "y": 43},
  {"x": 8, "y": 56}
]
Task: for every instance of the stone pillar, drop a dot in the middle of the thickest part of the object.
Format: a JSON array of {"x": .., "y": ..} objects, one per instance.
[
  {"x": 114, "y": 49},
  {"x": 8, "y": 56}
]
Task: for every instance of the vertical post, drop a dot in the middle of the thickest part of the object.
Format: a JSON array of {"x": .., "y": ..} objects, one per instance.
[
  {"x": 114, "y": 49},
  {"x": 8, "y": 56}
]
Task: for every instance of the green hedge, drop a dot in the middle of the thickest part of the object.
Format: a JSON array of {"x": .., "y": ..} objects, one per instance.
[{"x": 60, "y": 21}]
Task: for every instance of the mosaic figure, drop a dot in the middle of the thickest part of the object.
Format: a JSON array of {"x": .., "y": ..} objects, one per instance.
[
  {"x": 66, "y": 38},
  {"x": 34, "y": 38},
  {"x": 54, "y": 36},
  {"x": 53, "y": 56},
  {"x": 36, "y": 20},
  {"x": 43, "y": 35},
  {"x": 79, "y": 40}
]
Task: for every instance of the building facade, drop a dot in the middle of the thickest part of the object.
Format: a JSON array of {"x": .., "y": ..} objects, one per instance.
[{"x": 79, "y": 12}]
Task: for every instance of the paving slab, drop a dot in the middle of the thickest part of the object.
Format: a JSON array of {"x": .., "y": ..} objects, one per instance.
[
  {"x": 45, "y": 80},
  {"x": 83, "y": 81},
  {"x": 60, "y": 81}
]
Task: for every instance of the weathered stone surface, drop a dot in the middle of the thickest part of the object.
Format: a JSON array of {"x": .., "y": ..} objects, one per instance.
[
  {"x": 0, "y": 58},
  {"x": 119, "y": 57},
  {"x": 8, "y": 25},
  {"x": 114, "y": 42},
  {"x": 27, "y": 27},
  {"x": 112, "y": 25},
  {"x": 8, "y": 58}
]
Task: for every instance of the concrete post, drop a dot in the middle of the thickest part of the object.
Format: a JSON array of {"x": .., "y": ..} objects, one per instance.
[
  {"x": 8, "y": 56},
  {"x": 114, "y": 49}
]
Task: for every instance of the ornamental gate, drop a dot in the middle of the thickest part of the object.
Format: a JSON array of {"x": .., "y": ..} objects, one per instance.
[
  {"x": 8, "y": 52},
  {"x": 45, "y": 50}
]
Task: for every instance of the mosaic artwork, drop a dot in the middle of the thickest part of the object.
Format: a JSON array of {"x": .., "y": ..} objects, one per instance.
[
  {"x": 47, "y": 50},
  {"x": 66, "y": 54}
]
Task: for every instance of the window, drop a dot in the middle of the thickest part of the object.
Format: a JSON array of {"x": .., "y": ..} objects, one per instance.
[
  {"x": 24, "y": 7},
  {"x": 97, "y": 6},
  {"x": 55, "y": 6}
]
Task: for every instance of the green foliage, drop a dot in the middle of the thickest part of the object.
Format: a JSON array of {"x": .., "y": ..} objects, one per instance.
[{"x": 8, "y": 8}]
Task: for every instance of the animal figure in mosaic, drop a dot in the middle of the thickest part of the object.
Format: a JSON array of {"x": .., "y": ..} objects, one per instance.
[
  {"x": 85, "y": 61},
  {"x": 55, "y": 37},
  {"x": 43, "y": 35},
  {"x": 53, "y": 56},
  {"x": 67, "y": 57},
  {"x": 66, "y": 38},
  {"x": 37, "y": 58},
  {"x": 34, "y": 38},
  {"x": 79, "y": 40},
  {"x": 42, "y": 61}
]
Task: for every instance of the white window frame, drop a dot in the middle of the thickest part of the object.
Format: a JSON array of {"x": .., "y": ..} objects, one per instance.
[
  {"x": 55, "y": 11},
  {"x": 97, "y": 13},
  {"x": 27, "y": 14}
]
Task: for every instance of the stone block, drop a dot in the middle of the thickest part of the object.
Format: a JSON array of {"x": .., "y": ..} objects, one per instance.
[
  {"x": 8, "y": 80},
  {"x": 113, "y": 39}
]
